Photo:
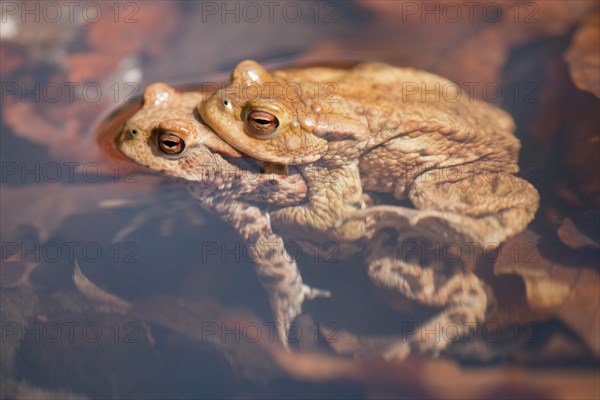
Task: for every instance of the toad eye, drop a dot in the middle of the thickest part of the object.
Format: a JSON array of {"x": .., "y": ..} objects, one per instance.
[
  {"x": 169, "y": 143},
  {"x": 262, "y": 123}
]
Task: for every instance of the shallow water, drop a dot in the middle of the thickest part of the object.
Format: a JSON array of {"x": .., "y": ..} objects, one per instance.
[{"x": 115, "y": 284}]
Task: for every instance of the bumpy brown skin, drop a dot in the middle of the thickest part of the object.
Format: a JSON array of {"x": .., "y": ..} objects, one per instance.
[
  {"x": 399, "y": 130},
  {"x": 225, "y": 183},
  {"x": 391, "y": 130}
]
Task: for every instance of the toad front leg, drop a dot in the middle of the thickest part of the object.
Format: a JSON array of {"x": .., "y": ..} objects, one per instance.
[
  {"x": 333, "y": 194},
  {"x": 276, "y": 270}
]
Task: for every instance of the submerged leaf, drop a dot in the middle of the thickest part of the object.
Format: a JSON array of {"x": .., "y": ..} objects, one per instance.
[
  {"x": 571, "y": 293},
  {"x": 571, "y": 236},
  {"x": 583, "y": 55},
  {"x": 93, "y": 292}
]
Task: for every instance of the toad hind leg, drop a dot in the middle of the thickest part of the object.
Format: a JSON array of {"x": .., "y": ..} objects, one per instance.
[
  {"x": 497, "y": 205},
  {"x": 461, "y": 296},
  {"x": 466, "y": 307},
  {"x": 483, "y": 210},
  {"x": 477, "y": 212}
]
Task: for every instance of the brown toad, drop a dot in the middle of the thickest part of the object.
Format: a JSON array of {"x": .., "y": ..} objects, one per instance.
[
  {"x": 165, "y": 136},
  {"x": 396, "y": 130}
]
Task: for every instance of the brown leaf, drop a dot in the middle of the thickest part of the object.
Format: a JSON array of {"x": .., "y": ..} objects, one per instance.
[
  {"x": 13, "y": 57},
  {"x": 567, "y": 119},
  {"x": 46, "y": 206},
  {"x": 568, "y": 291},
  {"x": 113, "y": 39},
  {"x": 583, "y": 55},
  {"x": 195, "y": 320},
  {"x": 581, "y": 147},
  {"x": 439, "y": 379},
  {"x": 91, "y": 66},
  {"x": 62, "y": 127},
  {"x": 571, "y": 236},
  {"x": 549, "y": 118},
  {"x": 548, "y": 18},
  {"x": 415, "y": 377},
  {"x": 94, "y": 293},
  {"x": 15, "y": 272},
  {"x": 475, "y": 45}
]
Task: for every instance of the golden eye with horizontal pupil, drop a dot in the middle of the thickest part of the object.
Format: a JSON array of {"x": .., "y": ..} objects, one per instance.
[
  {"x": 170, "y": 144},
  {"x": 262, "y": 123}
]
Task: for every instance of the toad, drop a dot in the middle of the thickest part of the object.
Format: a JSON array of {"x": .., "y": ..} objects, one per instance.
[
  {"x": 165, "y": 136},
  {"x": 380, "y": 128}
]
